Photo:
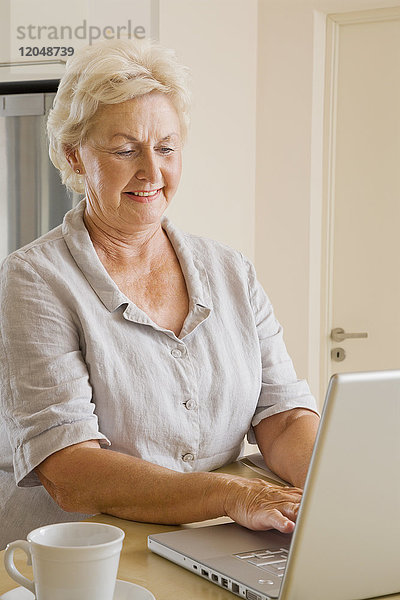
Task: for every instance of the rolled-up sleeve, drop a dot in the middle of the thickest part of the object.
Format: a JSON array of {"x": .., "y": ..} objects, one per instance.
[
  {"x": 281, "y": 390},
  {"x": 46, "y": 396}
]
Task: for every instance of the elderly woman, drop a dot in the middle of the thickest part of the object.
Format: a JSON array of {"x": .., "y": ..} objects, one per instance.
[{"x": 136, "y": 357}]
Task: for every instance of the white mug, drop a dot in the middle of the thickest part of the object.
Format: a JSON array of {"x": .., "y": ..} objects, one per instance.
[{"x": 71, "y": 561}]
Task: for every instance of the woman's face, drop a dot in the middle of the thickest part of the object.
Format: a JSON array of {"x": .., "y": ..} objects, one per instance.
[{"x": 132, "y": 162}]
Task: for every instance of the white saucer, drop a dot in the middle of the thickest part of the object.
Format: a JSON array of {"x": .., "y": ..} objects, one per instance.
[{"x": 123, "y": 591}]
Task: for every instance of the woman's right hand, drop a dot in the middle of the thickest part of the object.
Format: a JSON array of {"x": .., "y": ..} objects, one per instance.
[
  {"x": 259, "y": 505},
  {"x": 86, "y": 478}
]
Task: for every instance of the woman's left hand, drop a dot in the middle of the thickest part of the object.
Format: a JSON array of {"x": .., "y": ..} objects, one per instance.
[{"x": 259, "y": 505}]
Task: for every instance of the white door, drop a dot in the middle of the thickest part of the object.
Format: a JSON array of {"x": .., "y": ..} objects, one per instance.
[{"x": 364, "y": 186}]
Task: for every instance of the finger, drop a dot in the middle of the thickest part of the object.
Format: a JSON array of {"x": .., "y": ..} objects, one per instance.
[
  {"x": 295, "y": 497},
  {"x": 289, "y": 510},
  {"x": 290, "y": 490},
  {"x": 282, "y": 496},
  {"x": 293, "y": 490},
  {"x": 274, "y": 519}
]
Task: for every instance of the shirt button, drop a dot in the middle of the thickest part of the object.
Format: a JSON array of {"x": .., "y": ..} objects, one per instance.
[
  {"x": 190, "y": 404},
  {"x": 176, "y": 353},
  {"x": 188, "y": 457}
]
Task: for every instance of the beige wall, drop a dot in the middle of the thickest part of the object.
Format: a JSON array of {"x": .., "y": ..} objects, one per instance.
[
  {"x": 288, "y": 175},
  {"x": 283, "y": 164},
  {"x": 217, "y": 39}
]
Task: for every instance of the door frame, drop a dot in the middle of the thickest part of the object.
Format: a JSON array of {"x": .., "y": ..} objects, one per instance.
[{"x": 323, "y": 152}]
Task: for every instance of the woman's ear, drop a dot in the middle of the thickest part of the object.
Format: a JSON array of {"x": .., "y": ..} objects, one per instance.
[{"x": 74, "y": 159}]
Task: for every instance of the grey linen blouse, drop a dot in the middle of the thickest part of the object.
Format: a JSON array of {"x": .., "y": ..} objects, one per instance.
[{"x": 80, "y": 361}]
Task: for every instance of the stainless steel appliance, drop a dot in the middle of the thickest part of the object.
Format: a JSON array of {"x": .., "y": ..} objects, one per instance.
[{"x": 32, "y": 197}]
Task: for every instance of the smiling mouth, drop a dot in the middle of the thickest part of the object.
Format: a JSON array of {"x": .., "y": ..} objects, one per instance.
[{"x": 145, "y": 194}]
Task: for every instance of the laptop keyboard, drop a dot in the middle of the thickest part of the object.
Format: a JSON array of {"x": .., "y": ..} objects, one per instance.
[{"x": 272, "y": 561}]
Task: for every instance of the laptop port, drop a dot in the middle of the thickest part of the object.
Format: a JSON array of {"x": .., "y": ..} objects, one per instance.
[
  {"x": 224, "y": 582},
  {"x": 214, "y": 577},
  {"x": 235, "y": 587},
  {"x": 204, "y": 573},
  {"x": 252, "y": 596}
]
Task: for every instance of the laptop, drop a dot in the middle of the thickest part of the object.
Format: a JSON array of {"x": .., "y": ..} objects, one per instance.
[{"x": 346, "y": 543}]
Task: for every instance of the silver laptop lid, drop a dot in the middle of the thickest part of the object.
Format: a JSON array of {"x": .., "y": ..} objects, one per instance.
[{"x": 346, "y": 541}]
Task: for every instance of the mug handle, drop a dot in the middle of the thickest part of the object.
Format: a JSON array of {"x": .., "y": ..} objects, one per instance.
[{"x": 11, "y": 568}]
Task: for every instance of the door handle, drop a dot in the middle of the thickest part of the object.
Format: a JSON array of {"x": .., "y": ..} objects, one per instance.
[{"x": 338, "y": 334}]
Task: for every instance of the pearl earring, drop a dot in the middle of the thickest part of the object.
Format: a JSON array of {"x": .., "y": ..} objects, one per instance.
[{"x": 77, "y": 170}]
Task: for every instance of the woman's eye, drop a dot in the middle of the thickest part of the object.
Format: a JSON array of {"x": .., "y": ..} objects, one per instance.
[
  {"x": 165, "y": 150},
  {"x": 125, "y": 153}
]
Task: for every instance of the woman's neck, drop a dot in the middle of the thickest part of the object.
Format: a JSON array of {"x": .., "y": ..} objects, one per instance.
[{"x": 141, "y": 249}]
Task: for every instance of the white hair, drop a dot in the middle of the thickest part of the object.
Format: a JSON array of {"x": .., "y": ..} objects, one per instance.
[{"x": 110, "y": 72}]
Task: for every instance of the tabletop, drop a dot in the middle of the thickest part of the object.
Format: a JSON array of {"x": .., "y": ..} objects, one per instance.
[{"x": 163, "y": 578}]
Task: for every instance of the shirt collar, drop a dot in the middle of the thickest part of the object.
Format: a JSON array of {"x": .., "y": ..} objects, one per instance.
[
  {"x": 80, "y": 245},
  {"x": 193, "y": 269}
]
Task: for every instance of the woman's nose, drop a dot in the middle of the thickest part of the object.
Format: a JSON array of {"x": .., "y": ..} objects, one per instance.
[{"x": 148, "y": 169}]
